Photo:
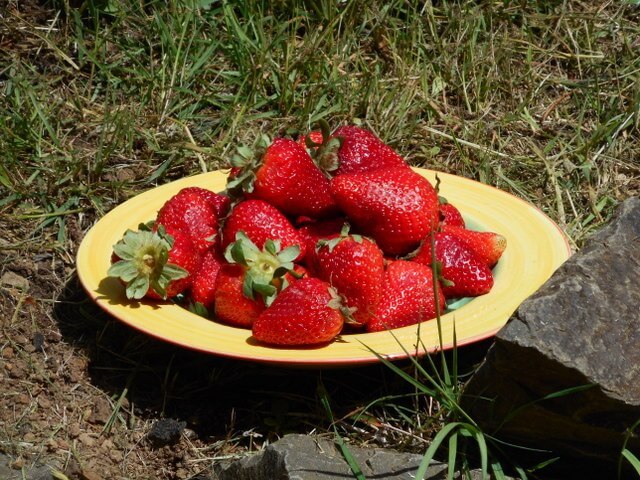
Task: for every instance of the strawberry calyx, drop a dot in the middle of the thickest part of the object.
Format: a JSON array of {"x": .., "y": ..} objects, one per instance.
[
  {"x": 198, "y": 308},
  {"x": 331, "y": 243},
  {"x": 143, "y": 262},
  {"x": 245, "y": 163},
  {"x": 325, "y": 153},
  {"x": 337, "y": 302},
  {"x": 265, "y": 269}
]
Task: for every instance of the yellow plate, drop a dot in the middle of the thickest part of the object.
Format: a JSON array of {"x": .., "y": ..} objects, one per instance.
[{"x": 535, "y": 248}]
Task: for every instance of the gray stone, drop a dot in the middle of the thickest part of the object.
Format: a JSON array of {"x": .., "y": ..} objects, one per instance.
[
  {"x": 581, "y": 328},
  {"x": 12, "y": 279},
  {"x": 165, "y": 431},
  {"x": 9, "y": 470},
  {"x": 303, "y": 457}
]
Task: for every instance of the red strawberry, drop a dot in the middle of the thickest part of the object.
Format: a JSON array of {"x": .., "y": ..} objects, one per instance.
[
  {"x": 464, "y": 273},
  {"x": 306, "y": 313},
  {"x": 252, "y": 279},
  {"x": 395, "y": 206},
  {"x": 260, "y": 221},
  {"x": 287, "y": 178},
  {"x": 322, "y": 229},
  {"x": 220, "y": 203},
  {"x": 362, "y": 151},
  {"x": 354, "y": 266},
  {"x": 156, "y": 265},
  {"x": 408, "y": 297},
  {"x": 313, "y": 138},
  {"x": 196, "y": 211},
  {"x": 203, "y": 285},
  {"x": 488, "y": 246},
  {"x": 231, "y": 305},
  {"x": 450, "y": 215}
]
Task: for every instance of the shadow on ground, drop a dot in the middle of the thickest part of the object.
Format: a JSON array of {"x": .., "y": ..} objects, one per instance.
[{"x": 218, "y": 396}]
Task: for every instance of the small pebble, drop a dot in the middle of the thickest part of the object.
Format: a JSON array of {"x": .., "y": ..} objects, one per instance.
[
  {"x": 74, "y": 430},
  {"x": 44, "y": 402},
  {"x": 181, "y": 473},
  {"x": 165, "y": 431},
  {"x": 38, "y": 341},
  {"x": 107, "y": 445},
  {"x": 101, "y": 411},
  {"x": 116, "y": 455},
  {"x": 86, "y": 439}
]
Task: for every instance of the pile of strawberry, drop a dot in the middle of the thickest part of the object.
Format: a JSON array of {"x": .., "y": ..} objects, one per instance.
[{"x": 331, "y": 233}]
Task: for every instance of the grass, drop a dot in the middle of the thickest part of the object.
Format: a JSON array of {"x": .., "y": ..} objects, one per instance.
[{"x": 102, "y": 99}]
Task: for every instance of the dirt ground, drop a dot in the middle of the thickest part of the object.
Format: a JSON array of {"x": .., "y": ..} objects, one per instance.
[{"x": 68, "y": 377}]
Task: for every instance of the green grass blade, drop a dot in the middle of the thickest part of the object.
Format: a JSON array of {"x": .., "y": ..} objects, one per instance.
[
  {"x": 433, "y": 448},
  {"x": 482, "y": 446},
  {"x": 350, "y": 459},
  {"x": 521, "y": 472},
  {"x": 453, "y": 453},
  {"x": 497, "y": 470},
  {"x": 454, "y": 360},
  {"x": 632, "y": 459},
  {"x": 37, "y": 106},
  {"x": 402, "y": 374},
  {"x": 4, "y": 177},
  {"x": 344, "y": 449},
  {"x": 626, "y": 453}
]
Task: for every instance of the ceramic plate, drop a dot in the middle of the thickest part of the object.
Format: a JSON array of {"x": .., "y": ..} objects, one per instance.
[{"x": 536, "y": 247}]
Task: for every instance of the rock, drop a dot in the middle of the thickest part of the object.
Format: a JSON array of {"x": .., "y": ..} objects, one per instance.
[
  {"x": 24, "y": 472},
  {"x": 40, "y": 473},
  {"x": 303, "y": 457},
  {"x": 12, "y": 279},
  {"x": 165, "y": 432},
  {"x": 580, "y": 329},
  {"x": 101, "y": 411}
]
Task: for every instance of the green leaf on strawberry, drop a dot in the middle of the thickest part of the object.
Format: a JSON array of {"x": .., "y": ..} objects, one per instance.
[
  {"x": 143, "y": 263},
  {"x": 325, "y": 152},
  {"x": 262, "y": 267},
  {"x": 199, "y": 309},
  {"x": 331, "y": 243}
]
